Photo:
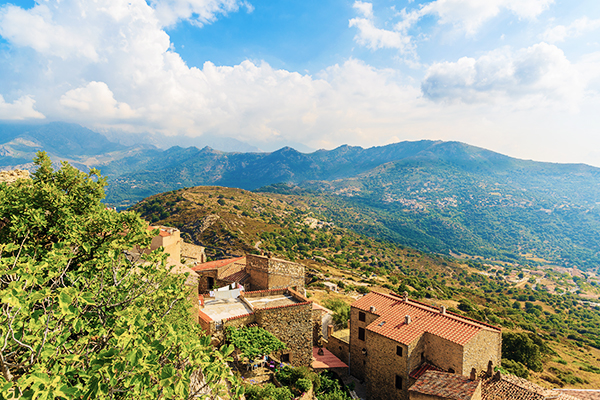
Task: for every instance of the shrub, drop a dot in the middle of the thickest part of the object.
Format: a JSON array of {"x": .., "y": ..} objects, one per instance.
[{"x": 303, "y": 384}]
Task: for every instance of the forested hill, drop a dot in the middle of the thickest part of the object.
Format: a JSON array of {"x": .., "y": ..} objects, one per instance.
[{"x": 444, "y": 197}]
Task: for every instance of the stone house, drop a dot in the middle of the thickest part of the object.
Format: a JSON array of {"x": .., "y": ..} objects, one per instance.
[
  {"x": 180, "y": 256},
  {"x": 215, "y": 274},
  {"x": 253, "y": 272},
  {"x": 394, "y": 340},
  {"x": 285, "y": 313}
]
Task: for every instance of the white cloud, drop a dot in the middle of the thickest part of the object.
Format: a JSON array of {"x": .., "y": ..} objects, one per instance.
[
  {"x": 579, "y": 27},
  {"x": 531, "y": 77},
  {"x": 376, "y": 38},
  {"x": 198, "y": 12},
  {"x": 366, "y": 9},
  {"x": 20, "y": 109},
  {"x": 36, "y": 28},
  {"x": 464, "y": 15},
  {"x": 96, "y": 99}
]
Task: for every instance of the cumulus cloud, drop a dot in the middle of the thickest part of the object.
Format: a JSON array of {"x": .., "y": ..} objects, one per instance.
[
  {"x": 470, "y": 15},
  {"x": 96, "y": 99},
  {"x": 463, "y": 15},
  {"x": 579, "y": 27},
  {"x": 537, "y": 75},
  {"x": 20, "y": 109},
  {"x": 376, "y": 38}
]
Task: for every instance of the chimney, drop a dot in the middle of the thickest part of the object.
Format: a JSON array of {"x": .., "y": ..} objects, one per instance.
[
  {"x": 372, "y": 309},
  {"x": 490, "y": 369},
  {"x": 407, "y": 319},
  {"x": 329, "y": 331},
  {"x": 443, "y": 310},
  {"x": 473, "y": 374},
  {"x": 405, "y": 296}
]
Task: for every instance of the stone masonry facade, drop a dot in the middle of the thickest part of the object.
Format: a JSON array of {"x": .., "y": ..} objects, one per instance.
[
  {"x": 273, "y": 273},
  {"x": 390, "y": 337},
  {"x": 291, "y": 323}
]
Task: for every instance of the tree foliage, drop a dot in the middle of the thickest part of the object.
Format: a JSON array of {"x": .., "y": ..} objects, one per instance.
[
  {"x": 79, "y": 317},
  {"x": 341, "y": 312},
  {"x": 253, "y": 341},
  {"x": 521, "y": 348}
]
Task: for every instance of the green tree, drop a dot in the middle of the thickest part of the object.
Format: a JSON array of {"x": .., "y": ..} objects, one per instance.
[
  {"x": 521, "y": 348},
  {"x": 253, "y": 341},
  {"x": 341, "y": 312},
  {"x": 79, "y": 317}
]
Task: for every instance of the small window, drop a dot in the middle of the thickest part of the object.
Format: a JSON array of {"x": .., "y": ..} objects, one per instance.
[
  {"x": 361, "y": 333},
  {"x": 340, "y": 347},
  {"x": 399, "y": 351},
  {"x": 398, "y": 382},
  {"x": 361, "y": 316},
  {"x": 285, "y": 358},
  {"x": 451, "y": 370}
]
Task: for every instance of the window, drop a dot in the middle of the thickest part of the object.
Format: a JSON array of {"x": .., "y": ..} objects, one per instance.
[
  {"x": 398, "y": 382},
  {"x": 361, "y": 316},
  {"x": 451, "y": 370},
  {"x": 399, "y": 351},
  {"x": 361, "y": 333},
  {"x": 285, "y": 358}
]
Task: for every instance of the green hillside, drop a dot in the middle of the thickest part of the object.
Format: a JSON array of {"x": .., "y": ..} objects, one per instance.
[{"x": 552, "y": 306}]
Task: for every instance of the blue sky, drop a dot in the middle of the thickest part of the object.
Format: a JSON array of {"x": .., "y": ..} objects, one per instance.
[{"x": 521, "y": 77}]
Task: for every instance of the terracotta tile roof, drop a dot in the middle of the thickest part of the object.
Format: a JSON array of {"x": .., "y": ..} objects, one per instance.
[
  {"x": 417, "y": 372},
  {"x": 445, "y": 385},
  {"x": 215, "y": 264},
  {"x": 327, "y": 360},
  {"x": 239, "y": 277},
  {"x": 391, "y": 323},
  {"x": 582, "y": 394},
  {"x": 510, "y": 387}
]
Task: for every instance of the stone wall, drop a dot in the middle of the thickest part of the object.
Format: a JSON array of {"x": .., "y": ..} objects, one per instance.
[
  {"x": 193, "y": 253},
  {"x": 444, "y": 354},
  {"x": 239, "y": 321},
  {"x": 12, "y": 176},
  {"x": 206, "y": 322},
  {"x": 357, "y": 359},
  {"x": 382, "y": 366},
  {"x": 317, "y": 320},
  {"x": 338, "y": 347},
  {"x": 273, "y": 273},
  {"x": 292, "y": 324},
  {"x": 486, "y": 346}
]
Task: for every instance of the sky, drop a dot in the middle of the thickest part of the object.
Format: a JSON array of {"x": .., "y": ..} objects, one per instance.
[{"x": 520, "y": 77}]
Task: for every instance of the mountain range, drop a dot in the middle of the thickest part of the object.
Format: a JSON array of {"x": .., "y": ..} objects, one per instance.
[{"x": 444, "y": 197}]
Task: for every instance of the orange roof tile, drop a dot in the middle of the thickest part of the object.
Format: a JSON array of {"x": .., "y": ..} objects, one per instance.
[
  {"x": 391, "y": 322},
  {"x": 445, "y": 385},
  {"x": 215, "y": 264}
]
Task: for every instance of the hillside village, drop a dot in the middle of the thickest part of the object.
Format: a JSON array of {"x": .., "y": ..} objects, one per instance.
[{"x": 393, "y": 348}]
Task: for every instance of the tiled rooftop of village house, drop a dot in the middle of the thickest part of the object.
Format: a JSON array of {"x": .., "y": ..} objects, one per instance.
[
  {"x": 216, "y": 264},
  {"x": 392, "y": 311},
  {"x": 581, "y": 394},
  {"x": 511, "y": 387},
  {"x": 445, "y": 385}
]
